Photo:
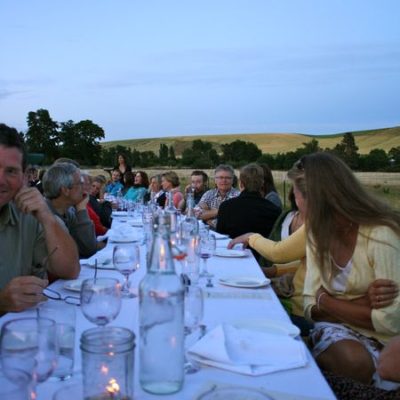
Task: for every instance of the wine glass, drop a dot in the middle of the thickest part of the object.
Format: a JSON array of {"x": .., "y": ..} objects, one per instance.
[
  {"x": 29, "y": 345},
  {"x": 126, "y": 259},
  {"x": 207, "y": 249},
  {"x": 193, "y": 314},
  {"x": 101, "y": 300}
]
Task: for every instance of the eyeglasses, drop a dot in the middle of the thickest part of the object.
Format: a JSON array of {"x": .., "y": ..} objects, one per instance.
[
  {"x": 225, "y": 178},
  {"x": 53, "y": 295}
]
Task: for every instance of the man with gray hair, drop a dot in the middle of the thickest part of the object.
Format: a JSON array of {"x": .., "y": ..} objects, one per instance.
[
  {"x": 66, "y": 197},
  {"x": 207, "y": 208}
]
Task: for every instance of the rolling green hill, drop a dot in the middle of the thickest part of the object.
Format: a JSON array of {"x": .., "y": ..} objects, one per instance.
[{"x": 272, "y": 143}]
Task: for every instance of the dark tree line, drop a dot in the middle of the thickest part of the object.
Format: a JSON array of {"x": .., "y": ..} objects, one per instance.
[{"x": 81, "y": 141}]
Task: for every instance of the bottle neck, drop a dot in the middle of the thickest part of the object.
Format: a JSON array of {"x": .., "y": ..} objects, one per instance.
[{"x": 161, "y": 255}]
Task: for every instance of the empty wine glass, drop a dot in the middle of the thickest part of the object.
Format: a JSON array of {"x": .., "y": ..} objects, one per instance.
[
  {"x": 207, "y": 249},
  {"x": 101, "y": 300},
  {"x": 29, "y": 345},
  {"x": 126, "y": 259},
  {"x": 193, "y": 315}
]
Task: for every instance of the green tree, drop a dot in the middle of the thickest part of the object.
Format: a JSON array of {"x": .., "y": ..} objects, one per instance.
[
  {"x": 240, "y": 152},
  {"x": 42, "y": 135},
  {"x": 394, "y": 158},
  {"x": 171, "y": 155},
  {"x": 109, "y": 155},
  {"x": 148, "y": 159},
  {"x": 200, "y": 155},
  {"x": 81, "y": 141},
  {"x": 376, "y": 160},
  {"x": 348, "y": 150},
  {"x": 163, "y": 154}
]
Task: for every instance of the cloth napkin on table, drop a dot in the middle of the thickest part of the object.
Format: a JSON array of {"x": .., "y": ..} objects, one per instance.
[
  {"x": 125, "y": 234},
  {"x": 248, "y": 352}
]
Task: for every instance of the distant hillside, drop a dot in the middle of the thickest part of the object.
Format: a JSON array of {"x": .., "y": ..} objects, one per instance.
[{"x": 271, "y": 142}]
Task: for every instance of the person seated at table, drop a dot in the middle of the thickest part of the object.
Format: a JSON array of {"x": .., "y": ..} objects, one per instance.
[
  {"x": 197, "y": 186},
  {"x": 32, "y": 240},
  {"x": 269, "y": 190},
  {"x": 155, "y": 192},
  {"x": 128, "y": 180},
  {"x": 114, "y": 186},
  {"x": 207, "y": 208},
  {"x": 100, "y": 206},
  {"x": 99, "y": 228},
  {"x": 122, "y": 166},
  {"x": 170, "y": 183},
  {"x": 63, "y": 187},
  {"x": 138, "y": 191},
  {"x": 248, "y": 212},
  {"x": 353, "y": 239},
  {"x": 289, "y": 250}
]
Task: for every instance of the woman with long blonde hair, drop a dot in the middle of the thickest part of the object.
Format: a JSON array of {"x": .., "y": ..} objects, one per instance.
[{"x": 353, "y": 239}]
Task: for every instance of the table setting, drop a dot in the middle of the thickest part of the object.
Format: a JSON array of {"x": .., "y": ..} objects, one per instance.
[{"x": 237, "y": 338}]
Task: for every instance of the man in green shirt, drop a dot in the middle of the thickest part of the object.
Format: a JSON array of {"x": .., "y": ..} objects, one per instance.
[{"x": 31, "y": 238}]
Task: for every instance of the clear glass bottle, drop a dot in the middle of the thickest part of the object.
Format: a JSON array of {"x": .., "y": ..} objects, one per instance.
[
  {"x": 171, "y": 210},
  {"x": 189, "y": 225},
  {"x": 161, "y": 313}
]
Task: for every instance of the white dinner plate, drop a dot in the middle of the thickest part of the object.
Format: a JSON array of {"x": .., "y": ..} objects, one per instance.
[
  {"x": 124, "y": 239},
  {"x": 224, "y": 252},
  {"x": 102, "y": 263},
  {"x": 269, "y": 326},
  {"x": 73, "y": 286},
  {"x": 135, "y": 223},
  {"x": 119, "y": 214},
  {"x": 245, "y": 282}
]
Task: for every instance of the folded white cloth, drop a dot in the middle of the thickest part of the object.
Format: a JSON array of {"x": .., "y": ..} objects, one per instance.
[{"x": 248, "y": 352}]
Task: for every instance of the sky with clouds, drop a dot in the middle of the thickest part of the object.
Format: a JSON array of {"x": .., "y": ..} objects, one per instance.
[{"x": 159, "y": 68}]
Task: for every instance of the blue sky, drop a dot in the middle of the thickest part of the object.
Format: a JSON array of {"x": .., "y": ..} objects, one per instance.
[{"x": 168, "y": 68}]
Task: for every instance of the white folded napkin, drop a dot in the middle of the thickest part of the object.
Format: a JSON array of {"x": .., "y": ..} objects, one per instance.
[{"x": 248, "y": 352}]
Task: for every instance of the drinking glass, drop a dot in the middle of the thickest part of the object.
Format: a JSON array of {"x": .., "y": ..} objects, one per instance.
[
  {"x": 193, "y": 314},
  {"x": 207, "y": 249},
  {"x": 30, "y": 345},
  {"x": 101, "y": 300},
  {"x": 126, "y": 259}
]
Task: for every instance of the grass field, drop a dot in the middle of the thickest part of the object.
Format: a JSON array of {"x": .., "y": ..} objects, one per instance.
[
  {"x": 384, "y": 185},
  {"x": 272, "y": 143}
]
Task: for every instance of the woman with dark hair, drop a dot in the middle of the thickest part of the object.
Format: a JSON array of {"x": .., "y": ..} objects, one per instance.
[
  {"x": 353, "y": 239},
  {"x": 123, "y": 165},
  {"x": 269, "y": 191},
  {"x": 139, "y": 188},
  {"x": 128, "y": 181}
]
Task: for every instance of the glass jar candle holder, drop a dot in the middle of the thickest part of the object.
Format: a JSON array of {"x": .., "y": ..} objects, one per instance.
[{"x": 108, "y": 363}]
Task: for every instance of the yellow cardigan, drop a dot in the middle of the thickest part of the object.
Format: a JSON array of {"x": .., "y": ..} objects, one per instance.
[
  {"x": 288, "y": 250},
  {"x": 376, "y": 256}
]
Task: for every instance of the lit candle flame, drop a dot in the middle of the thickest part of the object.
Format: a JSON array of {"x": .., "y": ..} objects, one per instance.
[
  {"x": 163, "y": 263},
  {"x": 112, "y": 387},
  {"x": 104, "y": 369}
]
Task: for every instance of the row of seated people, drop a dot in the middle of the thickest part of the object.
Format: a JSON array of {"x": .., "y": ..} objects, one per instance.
[
  {"x": 349, "y": 244},
  {"x": 343, "y": 287}
]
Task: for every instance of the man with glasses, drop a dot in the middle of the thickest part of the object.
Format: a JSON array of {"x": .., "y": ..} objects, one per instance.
[
  {"x": 207, "y": 208},
  {"x": 31, "y": 239},
  {"x": 63, "y": 186}
]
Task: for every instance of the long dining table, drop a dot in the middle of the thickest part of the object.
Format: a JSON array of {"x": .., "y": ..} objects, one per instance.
[{"x": 222, "y": 304}]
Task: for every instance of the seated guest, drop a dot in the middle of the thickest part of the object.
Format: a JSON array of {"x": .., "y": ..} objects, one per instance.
[
  {"x": 32, "y": 240},
  {"x": 248, "y": 212},
  {"x": 32, "y": 175},
  {"x": 99, "y": 228},
  {"x": 115, "y": 186},
  {"x": 170, "y": 183},
  {"x": 128, "y": 180},
  {"x": 287, "y": 279},
  {"x": 100, "y": 206},
  {"x": 63, "y": 188},
  {"x": 269, "y": 191},
  {"x": 197, "y": 186},
  {"x": 155, "y": 192},
  {"x": 210, "y": 201},
  {"x": 138, "y": 191},
  {"x": 353, "y": 239}
]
